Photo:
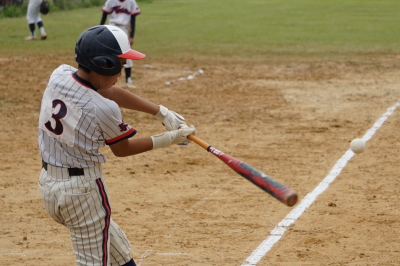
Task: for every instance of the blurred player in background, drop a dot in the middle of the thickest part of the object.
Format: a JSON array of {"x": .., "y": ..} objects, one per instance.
[
  {"x": 33, "y": 17},
  {"x": 123, "y": 15}
]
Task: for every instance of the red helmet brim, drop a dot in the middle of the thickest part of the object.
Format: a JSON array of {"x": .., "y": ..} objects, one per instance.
[{"x": 132, "y": 54}]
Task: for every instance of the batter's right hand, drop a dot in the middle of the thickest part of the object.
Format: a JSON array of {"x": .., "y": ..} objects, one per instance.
[{"x": 169, "y": 138}]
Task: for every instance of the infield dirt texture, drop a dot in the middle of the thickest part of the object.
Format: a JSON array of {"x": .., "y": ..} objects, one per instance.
[{"x": 290, "y": 117}]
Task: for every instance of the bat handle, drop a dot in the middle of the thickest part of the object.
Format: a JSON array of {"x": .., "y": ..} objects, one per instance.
[{"x": 198, "y": 141}]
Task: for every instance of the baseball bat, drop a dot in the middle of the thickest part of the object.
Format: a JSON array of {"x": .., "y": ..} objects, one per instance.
[{"x": 266, "y": 183}]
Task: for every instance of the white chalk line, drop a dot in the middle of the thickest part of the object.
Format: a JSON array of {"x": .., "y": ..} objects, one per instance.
[
  {"x": 279, "y": 230},
  {"x": 149, "y": 252},
  {"x": 144, "y": 255},
  {"x": 190, "y": 77},
  {"x": 172, "y": 254}
]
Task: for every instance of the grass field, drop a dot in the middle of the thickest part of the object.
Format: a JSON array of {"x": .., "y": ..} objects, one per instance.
[{"x": 231, "y": 29}]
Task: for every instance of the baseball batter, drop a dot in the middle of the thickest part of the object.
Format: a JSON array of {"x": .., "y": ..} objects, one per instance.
[
  {"x": 33, "y": 17},
  {"x": 80, "y": 113},
  {"x": 123, "y": 15}
]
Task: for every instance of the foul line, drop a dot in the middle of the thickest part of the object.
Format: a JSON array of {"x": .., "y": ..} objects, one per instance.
[{"x": 279, "y": 230}]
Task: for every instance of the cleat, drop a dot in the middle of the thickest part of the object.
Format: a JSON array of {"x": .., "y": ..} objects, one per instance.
[
  {"x": 129, "y": 84},
  {"x": 30, "y": 38}
]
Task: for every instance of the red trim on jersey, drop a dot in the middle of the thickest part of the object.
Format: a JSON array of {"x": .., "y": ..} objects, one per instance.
[
  {"x": 83, "y": 82},
  {"x": 106, "y": 11},
  {"x": 107, "y": 209},
  {"x": 127, "y": 135}
]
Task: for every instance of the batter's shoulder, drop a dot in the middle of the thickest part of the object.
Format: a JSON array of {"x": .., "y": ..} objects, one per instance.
[{"x": 64, "y": 68}]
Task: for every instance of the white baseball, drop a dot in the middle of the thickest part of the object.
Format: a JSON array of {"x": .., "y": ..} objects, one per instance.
[{"x": 357, "y": 145}]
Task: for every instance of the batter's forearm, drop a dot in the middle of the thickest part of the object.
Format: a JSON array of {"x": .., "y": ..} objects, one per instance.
[
  {"x": 129, "y": 100},
  {"x": 132, "y": 146}
]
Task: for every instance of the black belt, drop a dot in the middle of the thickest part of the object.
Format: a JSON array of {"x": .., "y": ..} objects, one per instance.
[{"x": 71, "y": 171}]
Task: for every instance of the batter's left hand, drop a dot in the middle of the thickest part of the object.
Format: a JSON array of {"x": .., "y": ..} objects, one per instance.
[{"x": 170, "y": 119}]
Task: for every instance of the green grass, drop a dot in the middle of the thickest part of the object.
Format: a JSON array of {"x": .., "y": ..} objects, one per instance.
[{"x": 237, "y": 29}]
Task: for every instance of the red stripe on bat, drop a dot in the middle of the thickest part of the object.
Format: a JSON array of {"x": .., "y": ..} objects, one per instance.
[{"x": 266, "y": 183}]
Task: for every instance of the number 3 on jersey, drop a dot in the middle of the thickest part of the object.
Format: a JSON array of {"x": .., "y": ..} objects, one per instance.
[
  {"x": 61, "y": 113},
  {"x": 59, "y": 117}
]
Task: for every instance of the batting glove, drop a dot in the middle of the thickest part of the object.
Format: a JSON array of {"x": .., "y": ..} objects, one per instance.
[
  {"x": 170, "y": 119},
  {"x": 169, "y": 138}
]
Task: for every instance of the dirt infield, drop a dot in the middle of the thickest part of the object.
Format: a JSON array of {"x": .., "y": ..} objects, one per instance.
[{"x": 182, "y": 206}]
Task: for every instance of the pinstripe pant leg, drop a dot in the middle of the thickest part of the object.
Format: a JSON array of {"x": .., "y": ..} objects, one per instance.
[
  {"x": 81, "y": 204},
  {"x": 87, "y": 214},
  {"x": 120, "y": 249}
]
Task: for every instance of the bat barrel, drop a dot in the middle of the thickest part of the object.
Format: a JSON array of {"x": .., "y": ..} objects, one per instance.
[{"x": 266, "y": 183}]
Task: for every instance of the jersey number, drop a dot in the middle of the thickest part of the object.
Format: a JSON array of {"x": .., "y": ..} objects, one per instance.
[{"x": 59, "y": 128}]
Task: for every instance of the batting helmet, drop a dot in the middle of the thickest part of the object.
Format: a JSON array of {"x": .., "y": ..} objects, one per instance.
[{"x": 100, "y": 47}]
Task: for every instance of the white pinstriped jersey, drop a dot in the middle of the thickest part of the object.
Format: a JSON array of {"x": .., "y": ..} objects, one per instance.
[
  {"x": 75, "y": 122},
  {"x": 121, "y": 11}
]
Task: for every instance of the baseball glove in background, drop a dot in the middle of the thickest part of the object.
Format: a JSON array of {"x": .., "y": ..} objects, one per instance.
[{"x": 44, "y": 7}]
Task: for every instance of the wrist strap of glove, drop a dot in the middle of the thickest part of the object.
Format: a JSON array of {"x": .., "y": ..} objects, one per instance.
[
  {"x": 162, "y": 140},
  {"x": 162, "y": 113}
]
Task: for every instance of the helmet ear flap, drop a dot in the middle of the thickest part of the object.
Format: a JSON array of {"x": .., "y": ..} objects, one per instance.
[{"x": 107, "y": 65}]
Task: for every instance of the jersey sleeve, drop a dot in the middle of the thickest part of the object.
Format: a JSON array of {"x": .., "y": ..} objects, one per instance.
[
  {"x": 107, "y": 7},
  {"x": 136, "y": 9},
  {"x": 113, "y": 128}
]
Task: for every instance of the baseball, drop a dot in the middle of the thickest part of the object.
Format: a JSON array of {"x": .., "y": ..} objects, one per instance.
[{"x": 357, "y": 145}]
